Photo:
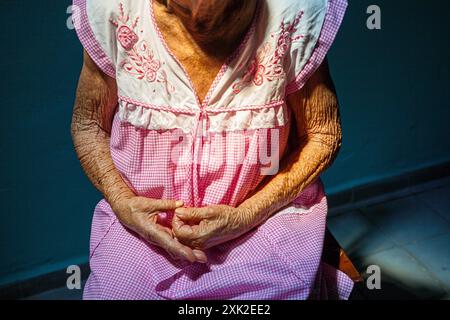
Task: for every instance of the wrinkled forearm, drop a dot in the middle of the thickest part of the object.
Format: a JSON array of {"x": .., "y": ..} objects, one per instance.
[
  {"x": 319, "y": 135},
  {"x": 92, "y": 148},
  {"x": 91, "y": 126}
]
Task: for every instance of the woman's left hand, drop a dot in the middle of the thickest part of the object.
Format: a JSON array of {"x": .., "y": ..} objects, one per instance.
[{"x": 203, "y": 228}]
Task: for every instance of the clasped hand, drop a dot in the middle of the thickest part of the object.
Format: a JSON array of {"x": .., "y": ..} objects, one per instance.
[{"x": 193, "y": 229}]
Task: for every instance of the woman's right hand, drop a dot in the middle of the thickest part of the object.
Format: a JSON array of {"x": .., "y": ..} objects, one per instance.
[{"x": 141, "y": 215}]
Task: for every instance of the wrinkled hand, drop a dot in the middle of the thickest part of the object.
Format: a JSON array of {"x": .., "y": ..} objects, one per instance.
[
  {"x": 141, "y": 215},
  {"x": 203, "y": 228}
]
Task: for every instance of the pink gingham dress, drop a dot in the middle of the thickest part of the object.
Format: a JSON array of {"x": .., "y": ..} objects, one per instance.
[{"x": 167, "y": 144}]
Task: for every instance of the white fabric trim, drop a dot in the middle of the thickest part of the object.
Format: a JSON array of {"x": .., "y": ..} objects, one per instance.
[
  {"x": 152, "y": 118},
  {"x": 265, "y": 118}
]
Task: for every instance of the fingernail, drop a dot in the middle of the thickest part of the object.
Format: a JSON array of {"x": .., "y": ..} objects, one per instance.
[
  {"x": 201, "y": 258},
  {"x": 179, "y": 203}
]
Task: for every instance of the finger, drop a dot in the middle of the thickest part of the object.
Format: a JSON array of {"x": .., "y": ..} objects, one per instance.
[
  {"x": 178, "y": 250},
  {"x": 186, "y": 232},
  {"x": 175, "y": 248},
  {"x": 164, "y": 204},
  {"x": 163, "y": 237},
  {"x": 182, "y": 230},
  {"x": 177, "y": 223},
  {"x": 194, "y": 215},
  {"x": 195, "y": 236},
  {"x": 200, "y": 255},
  {"x": 160, "y": 236},
  {"x": 168, "y": 231}
]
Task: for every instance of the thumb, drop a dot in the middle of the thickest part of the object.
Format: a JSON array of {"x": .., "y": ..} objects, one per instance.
[{"x": 193, "y": 215}]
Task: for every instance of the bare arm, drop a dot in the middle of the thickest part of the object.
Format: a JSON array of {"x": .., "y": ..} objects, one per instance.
[
  {"x": 93, "y": 114},
  {"x": 319, "y": 134}
]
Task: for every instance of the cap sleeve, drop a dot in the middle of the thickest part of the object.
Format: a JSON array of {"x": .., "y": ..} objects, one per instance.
[
  {"x": 96, "y": 33},
  {"x": 320, "y": 22}
]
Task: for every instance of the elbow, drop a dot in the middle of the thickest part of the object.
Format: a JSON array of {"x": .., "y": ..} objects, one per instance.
[
  {"x": 329, "y": 143},
  {"x": 78, "y": 131},
  {"x": 73, "y": 130},
  {"x": 336, "y": 144},
  {"x": 338, "y": 140}
]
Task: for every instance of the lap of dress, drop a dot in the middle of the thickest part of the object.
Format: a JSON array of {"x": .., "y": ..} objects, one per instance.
[{"x": 279, "y": 260}]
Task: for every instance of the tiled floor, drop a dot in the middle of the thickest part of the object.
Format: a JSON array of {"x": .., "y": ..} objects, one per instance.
[{"x": 408, "y": 238}]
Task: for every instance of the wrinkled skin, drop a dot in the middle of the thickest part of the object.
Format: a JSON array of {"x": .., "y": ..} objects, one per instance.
[
  {"x": 93, "y": 113},
  {"x": 317, "y": 134},
  {"x": 215, "y": 25},
  {"x": 319, "y": 137},
  {"x": 207, "y": 227}
]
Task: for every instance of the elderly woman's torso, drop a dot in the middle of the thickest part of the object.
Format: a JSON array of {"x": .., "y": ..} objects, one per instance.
[
  {"x": 207, "y": 129},
  {"x": 236, "y": 131}
]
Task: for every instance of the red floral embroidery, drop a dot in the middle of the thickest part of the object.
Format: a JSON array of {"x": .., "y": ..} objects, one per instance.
[
  {"x": 268, "y": 63},
  {"x": 127, "y": 37},
  {"x": 125, "y": 34},
  {"x": 140, "y": 61}
]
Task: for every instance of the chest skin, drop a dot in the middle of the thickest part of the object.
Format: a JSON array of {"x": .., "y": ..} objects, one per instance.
[{"x": 201, "y": 67}]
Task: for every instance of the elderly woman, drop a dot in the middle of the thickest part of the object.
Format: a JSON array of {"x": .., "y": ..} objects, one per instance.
[{"x": 206, "y": 124}]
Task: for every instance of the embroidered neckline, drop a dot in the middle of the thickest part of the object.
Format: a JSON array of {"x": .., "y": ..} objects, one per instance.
[
  {"x": 267, "y": 65},
  {"x": 203, "y": 104},
  {"x": 140, "y": 62}
]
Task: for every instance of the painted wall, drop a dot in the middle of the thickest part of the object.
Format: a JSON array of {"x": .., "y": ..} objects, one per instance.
[
  {"x": 392, "y": 83},
  {"x": 393, "y": 89}
]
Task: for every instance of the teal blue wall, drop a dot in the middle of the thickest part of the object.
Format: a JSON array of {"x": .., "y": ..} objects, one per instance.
[
  {"x": 393, "y": 87},
  {"x": 46, "y": 202}
]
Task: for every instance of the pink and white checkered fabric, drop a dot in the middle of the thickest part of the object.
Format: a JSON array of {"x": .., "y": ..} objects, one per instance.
[
  {"x": 281, "y": 259},
  {"x": 88, "y": 39}
]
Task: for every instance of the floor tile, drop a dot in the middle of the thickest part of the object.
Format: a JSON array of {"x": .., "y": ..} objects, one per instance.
[
  {"x": 357, "y": 235},
  {"x": 402, "y": 277},
  {"x": 435, "y": 255},
  {"x": 438, "y": 199},
  {"x": 407, "y": 220}
]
